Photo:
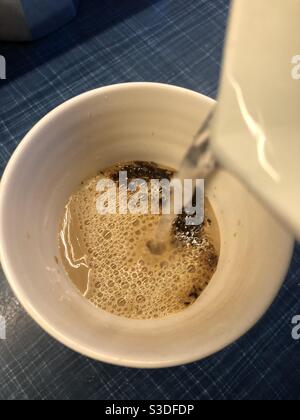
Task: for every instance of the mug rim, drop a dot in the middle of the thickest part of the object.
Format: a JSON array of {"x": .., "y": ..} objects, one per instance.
[{"x": 12, "y": 279}]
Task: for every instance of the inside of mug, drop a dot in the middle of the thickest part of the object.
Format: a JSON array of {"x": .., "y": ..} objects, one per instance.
[{"x": 92, "y": 132}]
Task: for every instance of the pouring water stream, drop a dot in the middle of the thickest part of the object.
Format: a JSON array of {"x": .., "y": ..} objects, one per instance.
[{"x": 198, "y": 163}]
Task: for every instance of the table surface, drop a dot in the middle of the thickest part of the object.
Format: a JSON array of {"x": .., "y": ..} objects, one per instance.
[{"x": 172, "y": 41}]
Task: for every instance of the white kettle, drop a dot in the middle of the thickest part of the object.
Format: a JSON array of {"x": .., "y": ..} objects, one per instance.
[{"x": 256, "y": 128}]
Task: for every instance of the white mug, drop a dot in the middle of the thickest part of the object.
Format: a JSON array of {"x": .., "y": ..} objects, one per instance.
[{"x": 138, "y": 121}]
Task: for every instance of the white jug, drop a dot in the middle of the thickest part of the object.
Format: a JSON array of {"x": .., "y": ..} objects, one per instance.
[{"x": 256, "y": 129}]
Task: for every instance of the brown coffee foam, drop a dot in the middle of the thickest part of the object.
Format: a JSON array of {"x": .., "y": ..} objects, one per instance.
[{"x": 107, "y": 259}]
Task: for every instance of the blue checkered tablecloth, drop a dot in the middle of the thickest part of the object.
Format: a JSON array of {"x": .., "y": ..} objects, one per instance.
[{"x": 172, "y": 41}]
